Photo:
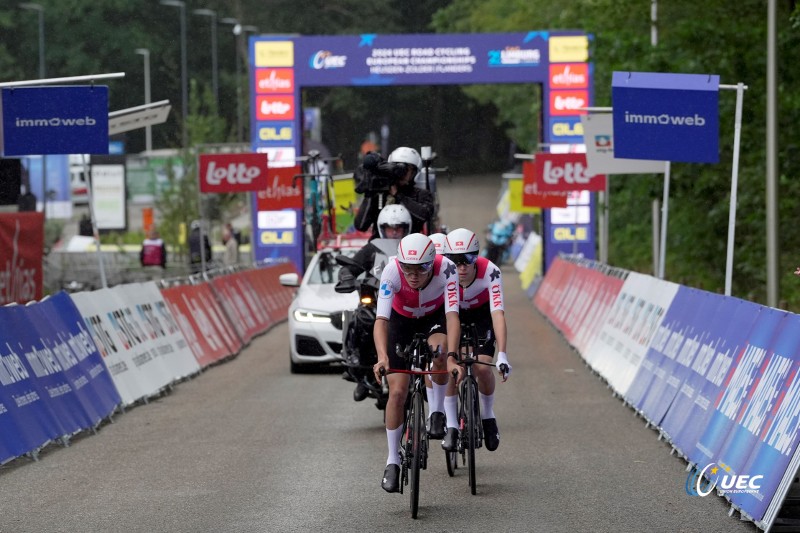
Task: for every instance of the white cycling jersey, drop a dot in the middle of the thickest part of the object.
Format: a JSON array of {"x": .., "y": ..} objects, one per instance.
[
  {"x": 485, "y": 289},
  {"x": 396, "y": 295}
]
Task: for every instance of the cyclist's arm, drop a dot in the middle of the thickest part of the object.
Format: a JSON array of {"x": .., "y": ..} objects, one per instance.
[
  {"x": 380, "y": 333},
  {"x": 499, "y": 327},
  {"x": 453, "y": 331}
]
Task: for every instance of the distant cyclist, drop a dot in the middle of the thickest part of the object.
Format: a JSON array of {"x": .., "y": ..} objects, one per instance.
[
  {"x": 481, "y": 304},
  {"x": 418, "y": 293},
  {"x": 439, "y": 240}
]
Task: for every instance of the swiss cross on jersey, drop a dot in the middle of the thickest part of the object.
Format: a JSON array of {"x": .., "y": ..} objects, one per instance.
[{"x": 233, "y": 172}]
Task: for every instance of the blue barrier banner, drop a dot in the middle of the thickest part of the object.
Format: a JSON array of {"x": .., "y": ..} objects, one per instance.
[
  {"x": 726, "y": 332},
  {"x": 54, "y": 120},
  {"x": 680, "y": 347},
  {"x": 739, "y": 385},
  {"x": 766, "y": 435},
  {"x": 671, "y": 352},
  {"x": 24, "y": 413},
  {"x": 666, "y": 117}
]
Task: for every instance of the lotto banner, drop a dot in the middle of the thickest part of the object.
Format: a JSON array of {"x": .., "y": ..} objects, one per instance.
[
  {"x": 203, "y": 323},
  {"x": 21, "y": 249},
  {"x": 232, "y": 172},
  {"x": 561, "y": 173}
]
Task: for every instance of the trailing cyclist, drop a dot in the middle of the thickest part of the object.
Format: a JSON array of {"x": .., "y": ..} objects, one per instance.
[
  {"x": 392, "y": 182},
  {"x": 481, "y": 303},
  {"x": 418, "y": 293}
]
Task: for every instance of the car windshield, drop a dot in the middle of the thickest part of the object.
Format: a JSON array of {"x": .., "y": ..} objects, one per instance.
[{"x": 326, "y": 270}]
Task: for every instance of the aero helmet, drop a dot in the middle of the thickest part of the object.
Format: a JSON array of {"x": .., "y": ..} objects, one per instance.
[
  {"x": 462, "y": 241},
  {"x": 394, "y": 215},
  {"x": 416, "y": 249},
  {"x": 406, "y": 155},
  {"x": 439, "y": 240}
]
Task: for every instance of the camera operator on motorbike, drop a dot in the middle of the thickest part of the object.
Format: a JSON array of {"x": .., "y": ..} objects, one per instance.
[
  {"x": 392, "y": 182},
  {"x": 418, "y": 293},
  {"x": 481, "y": 303},
  {"x": 358, "y": 350}
]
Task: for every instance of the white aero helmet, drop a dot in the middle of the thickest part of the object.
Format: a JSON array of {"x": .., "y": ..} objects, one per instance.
[
  {"x": 439, "y": 240},
  {"x": 407, "y": 155},
  {"x": 462, "y": 241},
  {"x": 416, "y": 249},
  {"x": 394, "y": 215}
]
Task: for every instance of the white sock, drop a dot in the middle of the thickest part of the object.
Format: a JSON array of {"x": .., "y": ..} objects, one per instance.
[
  {"x": 487, "y": 405},
  {"x": 431, "y": 396},
  {"x": 451, "y": 410},
  {"x": 393, "y": 439},
  {"x": 438, "y": 397}
]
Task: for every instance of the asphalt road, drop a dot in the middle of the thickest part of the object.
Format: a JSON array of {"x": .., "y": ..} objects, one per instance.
[{"x": 247, "y": 446}]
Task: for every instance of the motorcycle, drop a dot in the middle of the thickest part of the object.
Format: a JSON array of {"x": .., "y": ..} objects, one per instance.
[{"x": 358, "y": 346}]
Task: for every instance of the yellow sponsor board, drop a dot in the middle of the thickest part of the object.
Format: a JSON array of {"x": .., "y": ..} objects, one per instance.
[
  {"x": 274, "y": 54},
  {"x": 345, "y": 202},
  {"x": 569, "y": 49},
  {"x": 515, "y": 197}
]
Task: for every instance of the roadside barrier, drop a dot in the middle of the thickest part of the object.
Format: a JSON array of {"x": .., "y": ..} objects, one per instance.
[
  {"x": 717, "y": 376},
  {"x": 70, "y": 361}
]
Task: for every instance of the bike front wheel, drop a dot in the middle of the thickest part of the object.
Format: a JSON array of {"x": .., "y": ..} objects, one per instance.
[
  {"x": 471, "y": 428},
  {"x": 417, "y": 419}
]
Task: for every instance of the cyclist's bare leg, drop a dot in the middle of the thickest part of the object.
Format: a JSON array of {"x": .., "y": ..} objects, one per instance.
[
  {"x": 398, "y": 390},
  {"x": 484, "y": 375},
  {"x": 438, "y": 344}
]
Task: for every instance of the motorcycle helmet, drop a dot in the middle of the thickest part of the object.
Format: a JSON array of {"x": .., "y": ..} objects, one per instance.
[
  {"x": 394, "y": 215},
  {"x": 439, "y": 240},
  {"x": 407, "y": 155},
  {"x": 462, "y": 246},
  {"x": 416, "y": 249}
]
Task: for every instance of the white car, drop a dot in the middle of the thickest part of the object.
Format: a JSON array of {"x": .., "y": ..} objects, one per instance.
[{"x": 315, "y": 315}]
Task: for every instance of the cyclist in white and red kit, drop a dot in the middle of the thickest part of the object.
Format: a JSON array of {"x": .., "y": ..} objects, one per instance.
[
  {"x": 418, "y": 293},
  {"x": 481, "y": 303}
]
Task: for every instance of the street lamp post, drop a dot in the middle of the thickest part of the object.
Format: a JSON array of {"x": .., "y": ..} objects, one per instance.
[
  {"x": 32, "y": 6},
  {"x": 237, "y": 32},
  {"x": 148, "y": 132},
  {"x": 214, "y": 68},
  {"x": 184, "y": 80}
]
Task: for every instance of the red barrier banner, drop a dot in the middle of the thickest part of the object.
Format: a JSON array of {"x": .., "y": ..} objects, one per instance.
[
  {"x": 21, "y": 251},
  {"x": 202, "y": 322}
]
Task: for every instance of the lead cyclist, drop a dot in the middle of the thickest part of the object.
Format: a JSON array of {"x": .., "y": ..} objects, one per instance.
[
  {"x": 481, "y": 303},
  {"x": 418, "y": 293}
]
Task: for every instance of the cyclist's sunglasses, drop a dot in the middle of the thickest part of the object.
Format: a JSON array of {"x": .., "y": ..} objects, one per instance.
[
  {"x": 421, "y": 268},
  {"x": 463, "y": 259}
]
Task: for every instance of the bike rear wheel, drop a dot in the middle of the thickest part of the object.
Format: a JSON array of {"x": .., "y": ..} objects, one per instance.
[
  {"x": 417, "y": 419},
  {"x": 471, "y": 428}
]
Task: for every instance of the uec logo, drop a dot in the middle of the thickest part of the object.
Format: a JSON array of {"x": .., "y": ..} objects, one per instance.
[{"x": 702, "y": 483}]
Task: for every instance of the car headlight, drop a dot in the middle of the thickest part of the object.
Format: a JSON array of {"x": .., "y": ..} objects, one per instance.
[{"x": 304, "y": 315}]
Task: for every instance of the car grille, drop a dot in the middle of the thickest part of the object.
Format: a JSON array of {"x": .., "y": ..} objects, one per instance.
[
  {"x": 308, "y": 346},
  {"x": 336, "y": 319}
]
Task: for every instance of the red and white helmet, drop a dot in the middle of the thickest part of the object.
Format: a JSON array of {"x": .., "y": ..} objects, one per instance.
[
  {"x": 439, "y": 240},
  {"x": 416, "y": 249},
  {"x": 462, "y": 241}
]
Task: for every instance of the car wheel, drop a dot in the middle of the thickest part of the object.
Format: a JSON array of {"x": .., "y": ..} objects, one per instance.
[{"x": 294, "y": 368}]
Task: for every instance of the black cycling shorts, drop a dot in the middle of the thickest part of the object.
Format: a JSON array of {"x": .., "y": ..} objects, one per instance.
[
  {"x": 482, "y": 318},
  {"x": 402, "y": 330}
]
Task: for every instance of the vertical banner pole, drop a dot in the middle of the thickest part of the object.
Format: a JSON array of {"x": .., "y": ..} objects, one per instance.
[
  {"x": 734, "y": 186},
  {"x": 202, "y": 220},
  {"x": 664, "y": 218},
  {"x": 656, "y": 231},
  {"x": 95, "y": 233}
]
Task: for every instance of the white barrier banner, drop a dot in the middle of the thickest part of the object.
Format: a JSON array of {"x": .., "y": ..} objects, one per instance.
[
  {"x": 623, "y": 341},
  {"x": 152, "y": 314}
]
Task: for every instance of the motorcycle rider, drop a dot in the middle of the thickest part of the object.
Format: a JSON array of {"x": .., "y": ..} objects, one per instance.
[
  {"x": 392, "y": 182},
  {"x": 394, "y": 223},
  {"x": 481, "y": 303},
  {"x": 418, "y": 293}
]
